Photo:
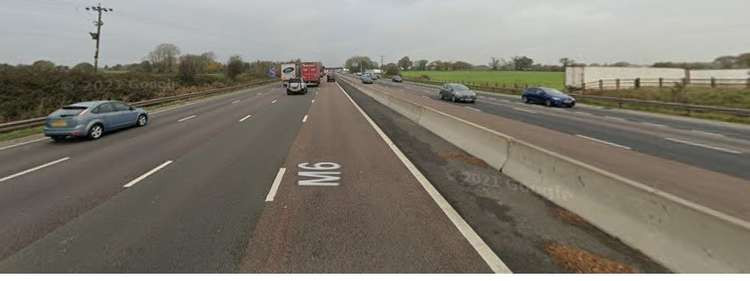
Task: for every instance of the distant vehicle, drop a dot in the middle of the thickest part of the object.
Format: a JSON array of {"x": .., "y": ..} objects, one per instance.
[
  {"x": 457, "y": 92},
  {"x": 372, "y": 74},
  {"x": 311, "y": 73},
  {"x": 331, "y": 77},
  {"x": 92, "y": 119},
  {"x": 296, "y": 86},
  {"x": 397, "y": 79},
  {"x": 548, "y": 97},
  {"x": 288, "y": 71},
  {"x": 366, "y": 79}
]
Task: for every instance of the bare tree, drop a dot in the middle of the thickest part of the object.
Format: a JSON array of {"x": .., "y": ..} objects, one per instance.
[
  {"x": 164, "y": 57},
  {"x": 494, "y": 63}
]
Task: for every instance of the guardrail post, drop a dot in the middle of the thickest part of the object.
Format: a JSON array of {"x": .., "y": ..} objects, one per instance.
[
  {"x": 637, "y": 83},
  {"x": 747, "y": 85},
  {"x": 661, "y": 82},
  {"x": 713, "y": 82},
  {"x": 617, "y": 83},
  {"x": 601, "y": 85}
]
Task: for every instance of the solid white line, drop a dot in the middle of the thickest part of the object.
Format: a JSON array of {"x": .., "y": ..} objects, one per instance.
[
  {"x": 22, "y": 143},
  {"x": 525, "y": 110},
  {"x": 274, "y": 101},
  {"x": 187, "y": 118},
  {"x": 492, "y": 260},
  {"x": 704, "y": 146},
  {"x": 654, "y": 124},
  {"x": 616, "y": 118},
  {"x": 475, "y": 109},
  {"x": 154, "y": 170},
  {"x": 304, "y": 119},
  {"x": 34, "y": 169},
  {"x": 708, "y": 133},
  {"x": 275, "y": 185},
  {"x": 237, "y": 101},
  {"x": 604, "y": 142},
  {"x": 245, "y": 118}
]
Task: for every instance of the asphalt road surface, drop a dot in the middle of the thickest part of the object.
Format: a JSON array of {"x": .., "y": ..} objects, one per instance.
[
  {"x": 259, "y": 181},
  {"x": 217, "y": 186},
  {"x": 715, "y": 146}
]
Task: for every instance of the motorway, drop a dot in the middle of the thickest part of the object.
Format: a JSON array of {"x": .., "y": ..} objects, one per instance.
[
  {"x": 189, "y": 191},
  {"x": 724, "y": 148},
  {"x": 708, "y": 168},
  {"x": 258, "y": 181}
]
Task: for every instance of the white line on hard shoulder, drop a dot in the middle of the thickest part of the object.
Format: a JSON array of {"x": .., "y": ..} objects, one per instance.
[
  {"x": 708, "y": 133},
  {"x": 472, "y": 108},
  {"x": 704, "y": 146},
  {"x": 524, "y": 110},
  {"x": 237, "y": 101},
  {"x": 33, "y": 169},
  {"x": 304, "y": 119},
  {"x": 274, "y": 101},
  {"x": 187, "y": 118},
  {"x": 604, "y": 142},
  {"x": 654, "y": 124},
  {"x": 313, "y": 101},
  {"x": 492, "y": 260},
  {"x": 22, "y": 143},
  {"x": 245, "y": 118},
  {"x": 275, "y": 185},
  {"x": 147, "y": 174}
]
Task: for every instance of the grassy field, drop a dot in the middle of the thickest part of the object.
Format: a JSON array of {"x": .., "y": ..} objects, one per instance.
[{"x": 548, "y": 79}]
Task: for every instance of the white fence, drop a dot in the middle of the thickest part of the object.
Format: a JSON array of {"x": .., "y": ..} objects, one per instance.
[{"x": 603, "y": 78}]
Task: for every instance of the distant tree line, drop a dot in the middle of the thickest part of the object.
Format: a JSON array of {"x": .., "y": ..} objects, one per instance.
[
  {"x": 517, "y": 63},
  {"x": 37, "y": 89}
]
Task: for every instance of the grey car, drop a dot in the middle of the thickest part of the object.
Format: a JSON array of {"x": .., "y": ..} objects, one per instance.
[
  {"x": 366, "y": 79},
  {"x": 457, "y": 92},
  {"x": 92, "y": 119}
]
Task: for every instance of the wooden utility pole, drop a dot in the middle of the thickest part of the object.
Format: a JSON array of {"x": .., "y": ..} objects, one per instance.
[{"x": 98, "y": 35}]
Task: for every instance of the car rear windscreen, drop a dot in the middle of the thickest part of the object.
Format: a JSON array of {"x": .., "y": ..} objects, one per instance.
[{"x": 70, "y": 110}]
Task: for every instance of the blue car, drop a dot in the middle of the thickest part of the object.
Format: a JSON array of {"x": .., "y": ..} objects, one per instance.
[
  {"x": 548, "y": 97},
  {"x": 92, "y": 119}
]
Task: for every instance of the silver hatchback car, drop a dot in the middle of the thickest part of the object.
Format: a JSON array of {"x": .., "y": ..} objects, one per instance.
[{"x": 92, "y": 119}]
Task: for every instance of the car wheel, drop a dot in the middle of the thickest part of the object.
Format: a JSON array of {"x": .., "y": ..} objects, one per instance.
[
  {"x": 96, "y": 132},
  {"x": 548, "y": 103},
  {"x": 525, "y": 99},
  {"x": 142, "y": 120}
]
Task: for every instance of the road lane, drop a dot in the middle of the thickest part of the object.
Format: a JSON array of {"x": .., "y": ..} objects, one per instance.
[
  {"x": 33, "y": 206},
  {"x": 739, "y": 131},
  {"x": 192, "y": 215},
  {"x": 642, "y": 138},
  {"x": 38, "y": 149},
  {"x": 347, "y": 204}
]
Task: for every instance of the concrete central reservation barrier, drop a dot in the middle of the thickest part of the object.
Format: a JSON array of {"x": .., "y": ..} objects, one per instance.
[{"x": 681, "y": 235}]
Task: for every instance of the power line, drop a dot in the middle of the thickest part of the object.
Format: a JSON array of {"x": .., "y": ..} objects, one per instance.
[{"x": 98, "y": 35}]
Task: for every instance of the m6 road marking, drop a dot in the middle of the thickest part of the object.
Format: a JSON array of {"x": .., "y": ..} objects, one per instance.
[{"x": 319, "y": 174}]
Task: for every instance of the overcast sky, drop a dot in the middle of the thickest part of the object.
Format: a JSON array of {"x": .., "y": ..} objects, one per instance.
[{"x": 638, "y": 31}]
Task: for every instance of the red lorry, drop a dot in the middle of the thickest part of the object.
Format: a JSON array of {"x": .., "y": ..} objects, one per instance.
[{"x": 311, "y": 73}]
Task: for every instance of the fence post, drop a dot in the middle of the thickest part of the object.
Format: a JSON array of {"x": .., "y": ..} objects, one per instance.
[
  {"x": 601, "y": 85},
  {"x": 661, "y": 82},
  {"x": 637, "y": 83},
  {"x": 713, "y": 82},
  {"x": 617, "y": 83},
  {"x": 748, "y": 83}
]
